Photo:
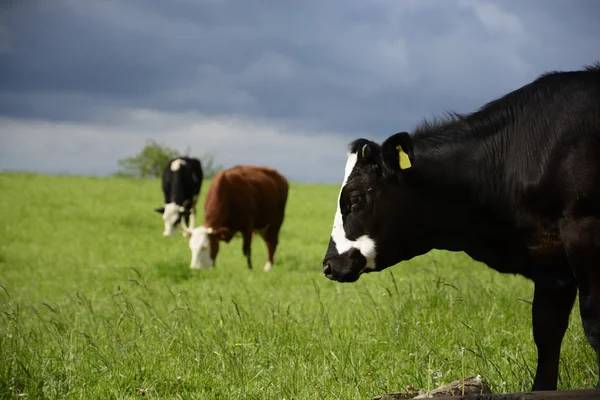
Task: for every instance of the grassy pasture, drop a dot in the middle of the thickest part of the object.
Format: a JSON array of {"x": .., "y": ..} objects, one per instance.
[{"x": 95, "y": 303}]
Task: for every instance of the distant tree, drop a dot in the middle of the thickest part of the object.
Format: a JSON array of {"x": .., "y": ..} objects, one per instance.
[
  {"x": 149, "y": 162},
  {"x": 153, "y": 158}
]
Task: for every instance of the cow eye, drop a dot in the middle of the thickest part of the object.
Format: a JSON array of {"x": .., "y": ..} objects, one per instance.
[{"x": 354, "y": 201}]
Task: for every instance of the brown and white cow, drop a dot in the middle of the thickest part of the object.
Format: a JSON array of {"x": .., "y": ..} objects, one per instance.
[{"x": 244, "y": 199}]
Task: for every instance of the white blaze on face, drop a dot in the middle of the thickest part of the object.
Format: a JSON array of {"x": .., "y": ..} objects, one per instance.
[
  {"x": 364, "y": 244},
  {"x": 200, "y": 248},
  {"x": 170, "y": 216}
]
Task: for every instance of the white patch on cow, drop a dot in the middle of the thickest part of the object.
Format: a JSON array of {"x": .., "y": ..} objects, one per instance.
[
  {"x": 176, "y": 164},
  {"x": 200, "y": 248},
  {"x": 170, "y": 216},
  {"x": 364, "y": 244}
]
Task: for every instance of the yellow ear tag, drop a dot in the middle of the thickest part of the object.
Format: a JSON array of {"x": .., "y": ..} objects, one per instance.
[{"x": 403, "y": 159}]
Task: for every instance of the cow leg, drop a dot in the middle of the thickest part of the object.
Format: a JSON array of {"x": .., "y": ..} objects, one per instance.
[
  {"x": 184, "y": 225},
  {"x": 271, "y": 246},
  {"x": 582, "y": 242},
  {"x": 247, "y": 235},
  {"x": 551, "y": 309},
  {"x": 270, "y": 238},
  {"x": 192, "y": 218},
  {"x": 193, "y": 212}
]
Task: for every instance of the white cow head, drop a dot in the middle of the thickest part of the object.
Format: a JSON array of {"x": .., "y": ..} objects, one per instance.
[
  {"x": 172, "y": 216},
  {"x": 204, "y": 246}
]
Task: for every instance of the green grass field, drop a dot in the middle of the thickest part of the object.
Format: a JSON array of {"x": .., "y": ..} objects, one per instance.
[{"x": 95, "y": 303}]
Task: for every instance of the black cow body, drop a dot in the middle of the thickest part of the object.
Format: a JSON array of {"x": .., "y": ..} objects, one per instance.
[
  {"x": 515, "y": 185},
  {"x": 181, "y": 183}
]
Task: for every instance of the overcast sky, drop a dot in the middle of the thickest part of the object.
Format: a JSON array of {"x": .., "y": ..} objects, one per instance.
[{"x": 285, "y": 83}]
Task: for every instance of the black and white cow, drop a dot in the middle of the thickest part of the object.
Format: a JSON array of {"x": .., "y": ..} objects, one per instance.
[
  {"x": 515, "y": 185},
  {"x": 181, "y": 183}
]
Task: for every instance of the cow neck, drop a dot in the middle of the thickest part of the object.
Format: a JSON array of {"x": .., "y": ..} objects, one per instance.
[
  {"x": 462, "y": 161},
  {"x": 467, "y": 193}
]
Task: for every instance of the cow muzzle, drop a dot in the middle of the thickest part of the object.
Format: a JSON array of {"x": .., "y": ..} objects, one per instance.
[
  {"x": 199, "y": 263},
  {"x": 201, "y": 259},
  {"x": 170, "y": 229},
  {"x": 168, "y": 232},
  {"x": 345, "y": 267}
]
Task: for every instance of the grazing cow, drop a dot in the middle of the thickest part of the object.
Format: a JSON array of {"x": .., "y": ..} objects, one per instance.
[
  {"x": 241, "y": 199},
  {"x": 515, "y": 185},
  {"x": 181, "y": 182}
]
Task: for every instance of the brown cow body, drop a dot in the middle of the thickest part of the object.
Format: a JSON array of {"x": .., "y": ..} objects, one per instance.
[{"x": 242, "y": 199}]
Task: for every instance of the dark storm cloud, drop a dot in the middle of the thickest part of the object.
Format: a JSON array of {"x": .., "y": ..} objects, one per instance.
[
  {"x": 357, "y": 66},
  {"x": 310, "y": 67}
]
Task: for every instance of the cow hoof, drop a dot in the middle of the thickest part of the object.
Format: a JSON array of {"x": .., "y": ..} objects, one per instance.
[
  {"x": 268, "y": 267},
  {"x": 185, "y": 234}
]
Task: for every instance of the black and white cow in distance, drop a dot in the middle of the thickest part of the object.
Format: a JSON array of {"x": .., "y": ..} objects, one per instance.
[
  {"x": 515, "y": 185},
  {"x": 181, "y": 183}
]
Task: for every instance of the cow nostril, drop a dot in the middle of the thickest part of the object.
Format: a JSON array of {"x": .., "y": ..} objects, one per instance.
[{"x": 327, "y": 268}]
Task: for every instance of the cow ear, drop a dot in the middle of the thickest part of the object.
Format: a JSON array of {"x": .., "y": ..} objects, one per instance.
[
  {"x": 160, "y": 210},
  {"x": 397, "y": 152},
  {"x": 365, "y": 150}
]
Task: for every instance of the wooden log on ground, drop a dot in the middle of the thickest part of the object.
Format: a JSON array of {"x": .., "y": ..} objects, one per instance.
[
  {"x": 475, "y": 388},
  {"x": 584, "y": 394},
  {"x": 466, "y": 386}
]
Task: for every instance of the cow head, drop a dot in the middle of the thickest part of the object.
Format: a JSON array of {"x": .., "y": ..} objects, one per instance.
[
  {"x": 204, "y": 245},
  {"x": 172, "y": 215},
  {"x": 379, "y": 216}
]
